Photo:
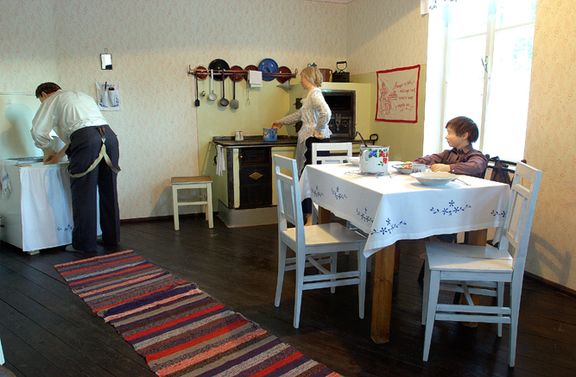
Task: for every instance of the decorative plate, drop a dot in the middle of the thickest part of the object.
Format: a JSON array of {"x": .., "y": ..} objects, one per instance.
[
  {"x": 286, "y": 74},
  {"x": 237, "y": 73},
  {"x": 201, "y": 72},
  {"x": 218, "y": 65},
  {"x": 268, "y": 67}
]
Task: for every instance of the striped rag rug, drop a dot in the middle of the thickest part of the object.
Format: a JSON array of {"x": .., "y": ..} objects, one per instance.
[{"x": 179, "y": 329}]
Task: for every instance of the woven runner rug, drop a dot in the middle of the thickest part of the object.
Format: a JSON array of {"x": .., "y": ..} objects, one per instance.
[{"x": 179, "y": 329}]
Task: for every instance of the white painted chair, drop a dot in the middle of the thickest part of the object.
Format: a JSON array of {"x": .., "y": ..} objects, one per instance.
[
  {"x": 203, "y": 183},
  {"x": 484, "y": 270},
  {"x": 314, "y": 245},
  {"x": 338, "y": 153}
]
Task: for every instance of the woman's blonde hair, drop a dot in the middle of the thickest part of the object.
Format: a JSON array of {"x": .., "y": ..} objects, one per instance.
[{"x": 313, "y": 75}]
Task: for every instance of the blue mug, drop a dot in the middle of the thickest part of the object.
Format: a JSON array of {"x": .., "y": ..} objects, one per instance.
[{"x": 270, "y": 134}]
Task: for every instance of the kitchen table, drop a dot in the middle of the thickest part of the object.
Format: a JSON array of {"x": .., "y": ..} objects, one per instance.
[{"x": 396, "y": 207}]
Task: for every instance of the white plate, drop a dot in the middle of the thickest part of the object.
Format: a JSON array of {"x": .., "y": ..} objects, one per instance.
[{"x": 434, "y": 178}]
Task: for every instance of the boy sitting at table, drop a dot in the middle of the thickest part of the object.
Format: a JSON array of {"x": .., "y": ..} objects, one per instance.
[{"x": 462, "y": 158}]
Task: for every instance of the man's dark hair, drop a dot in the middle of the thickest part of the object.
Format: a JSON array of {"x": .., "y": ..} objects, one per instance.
[
  {"x": 47, "y": 87},
  {"x": 461, "y": 125}
]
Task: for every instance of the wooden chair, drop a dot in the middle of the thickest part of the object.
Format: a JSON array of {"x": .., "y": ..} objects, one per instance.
[
  {"x": 314, "y": 245},
  {"x": 484, "y": 270},
  {"x": 203, "y": 183},
  {"x": 331, "y": 153}
]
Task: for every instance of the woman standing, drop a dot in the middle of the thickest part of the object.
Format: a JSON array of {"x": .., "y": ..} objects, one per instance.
[{"x": 315, "y": 115}]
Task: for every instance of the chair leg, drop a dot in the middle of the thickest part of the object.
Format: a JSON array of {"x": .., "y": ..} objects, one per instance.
[
  {"x": 426, "y": 281},
  {"x": 514, "y": 314},
  {"x": 362, "y": 285},
  {"x": 300, "y": 265},
  {"x": 333, "y": 269},
  {"x": 500, "y": 303},
  {"x": 175, "y": 207},
  {"x": 209, "y": 211},
  {"x": 434, "y": 288},
  {"x": 281, "y": 270}
]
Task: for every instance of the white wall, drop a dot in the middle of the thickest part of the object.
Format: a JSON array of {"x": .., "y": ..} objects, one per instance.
[
  {"x": 28, "y": 45},
  {"x": 551, "y": 142}
]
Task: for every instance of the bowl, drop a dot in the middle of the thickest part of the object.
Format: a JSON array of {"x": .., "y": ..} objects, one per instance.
[
  {"x": 433, "y": 178},
  {"x": 355, "y": 161}
]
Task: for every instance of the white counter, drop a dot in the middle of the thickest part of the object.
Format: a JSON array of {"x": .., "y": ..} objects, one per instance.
[{"x": 38, "y": 211}]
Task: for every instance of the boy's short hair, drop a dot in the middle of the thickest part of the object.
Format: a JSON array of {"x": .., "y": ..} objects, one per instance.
[
  {"x": 461, "y": 125},
  {"x": 47, "y": 87}
]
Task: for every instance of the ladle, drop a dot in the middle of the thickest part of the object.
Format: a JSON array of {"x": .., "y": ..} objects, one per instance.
[
  {"x": 234, "y": 104},
  {"x": 211, "y": 95},
  {"x": 197, "y": 101},
  {"x": 223, "y": 101}
]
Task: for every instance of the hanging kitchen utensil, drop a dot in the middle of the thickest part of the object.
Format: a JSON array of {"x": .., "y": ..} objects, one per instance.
[
  {"x": 234, "y": 104},
  {"x": 219, "y": 65},
  {"x": 284, "y": 74},
  {"x": 236, "y": 75},
  {"x": 269, "y": 68},
  {"x": 249, "y": 68},
  {"x": 223, "y": 101},
  {"x": 211, "y": 95},
  {"x": 196, "y": 101},
  {"x": 200, "y": 73}
]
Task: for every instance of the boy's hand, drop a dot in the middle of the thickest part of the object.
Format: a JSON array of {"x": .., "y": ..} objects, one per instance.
[{"x": 440, "y": 167}]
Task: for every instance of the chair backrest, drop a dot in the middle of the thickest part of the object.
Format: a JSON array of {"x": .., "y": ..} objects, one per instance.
[
  {"x": 331, "y": 153},
  {"x": 520, "y": 215},
  {"x": 500, "y": 170},
  {"x": 288, "y": 195}
]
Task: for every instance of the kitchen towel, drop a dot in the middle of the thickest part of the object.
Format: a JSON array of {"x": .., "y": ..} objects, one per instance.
[
  {"x": 255, "y": 79},
  {"x": 5, "y": 187},
  {"x": 220, "y": 160}
]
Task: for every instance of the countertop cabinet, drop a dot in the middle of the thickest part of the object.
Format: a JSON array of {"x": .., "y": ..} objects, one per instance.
[{"x": 37, "y": 212}]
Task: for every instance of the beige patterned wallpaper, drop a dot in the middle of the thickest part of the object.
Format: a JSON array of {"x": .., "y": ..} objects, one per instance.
[
  {"x": 153, "y": 42},
  {"x": 551, "y": 142}
]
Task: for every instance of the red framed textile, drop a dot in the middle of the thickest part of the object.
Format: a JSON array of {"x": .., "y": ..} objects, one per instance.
[{"x": 397, "y": 94}]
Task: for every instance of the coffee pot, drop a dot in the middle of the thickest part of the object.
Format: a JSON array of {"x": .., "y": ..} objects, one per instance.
[{"x": 374, "y": 159}]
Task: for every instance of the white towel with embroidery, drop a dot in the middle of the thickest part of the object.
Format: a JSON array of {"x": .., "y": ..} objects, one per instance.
[
  {"x": 220, "y": 160},
  {"x": 5, "y": 187}
]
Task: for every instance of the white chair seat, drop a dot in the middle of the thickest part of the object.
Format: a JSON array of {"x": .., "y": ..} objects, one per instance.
[
  {"x": 325, "y": 235},
  {"x": 453, "y": 257}
]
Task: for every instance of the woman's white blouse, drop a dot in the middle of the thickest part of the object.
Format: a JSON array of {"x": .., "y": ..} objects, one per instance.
[{"x": 315, "y": 115}]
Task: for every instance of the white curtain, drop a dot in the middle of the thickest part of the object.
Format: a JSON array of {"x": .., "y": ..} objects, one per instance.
[{"x": 431, "y": 5}]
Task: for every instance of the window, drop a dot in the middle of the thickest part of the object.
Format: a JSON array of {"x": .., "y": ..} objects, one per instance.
[{"x": 479, "y": 65}]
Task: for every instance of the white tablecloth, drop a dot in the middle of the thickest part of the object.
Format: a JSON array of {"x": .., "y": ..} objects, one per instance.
[{"x": 396, "y": 207}]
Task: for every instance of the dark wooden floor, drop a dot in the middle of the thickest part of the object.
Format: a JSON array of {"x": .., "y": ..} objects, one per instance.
[{"x": 47, "y": 331}]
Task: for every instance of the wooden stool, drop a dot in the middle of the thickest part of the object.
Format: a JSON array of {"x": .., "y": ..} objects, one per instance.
[{"x": 192, "y": 183}]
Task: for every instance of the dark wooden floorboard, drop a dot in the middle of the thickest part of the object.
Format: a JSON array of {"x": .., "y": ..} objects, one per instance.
[{"x": 46, "y": 330}]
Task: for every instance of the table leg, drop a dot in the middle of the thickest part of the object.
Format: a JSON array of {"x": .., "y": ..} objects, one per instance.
[
  {"x": 383, "y": 282},
  {"x": 477, "y": 237},
  {"x": 323, "y": 215}
]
